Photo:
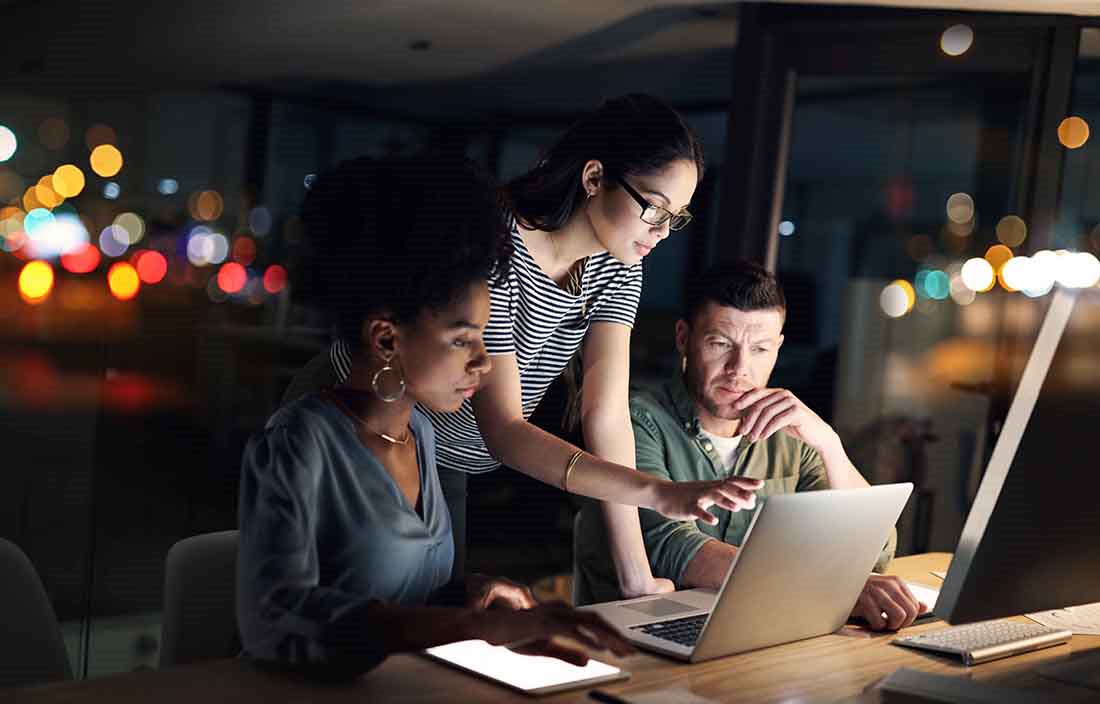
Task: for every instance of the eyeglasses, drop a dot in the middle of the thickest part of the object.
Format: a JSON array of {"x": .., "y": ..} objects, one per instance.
[{"x": 655, "y": 214}]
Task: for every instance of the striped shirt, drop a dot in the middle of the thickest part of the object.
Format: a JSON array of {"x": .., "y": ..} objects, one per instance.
[{"x": 543, "y": 325}]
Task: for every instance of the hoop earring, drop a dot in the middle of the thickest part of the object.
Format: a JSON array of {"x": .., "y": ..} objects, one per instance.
[{"x": 377, "y": 388}]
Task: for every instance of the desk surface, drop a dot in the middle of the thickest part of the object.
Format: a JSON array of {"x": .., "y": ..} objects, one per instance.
[{"x": 829, "y": 668}]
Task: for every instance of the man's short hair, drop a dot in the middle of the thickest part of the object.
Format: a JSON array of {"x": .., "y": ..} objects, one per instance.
[{"x": 741, "y": 284}]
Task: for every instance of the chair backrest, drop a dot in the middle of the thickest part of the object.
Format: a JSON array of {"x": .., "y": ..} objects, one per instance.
[
  {"x": 318, "y": 374},
  {"x": 200, "y": 611},
  {"x": 31, "y": 648}
]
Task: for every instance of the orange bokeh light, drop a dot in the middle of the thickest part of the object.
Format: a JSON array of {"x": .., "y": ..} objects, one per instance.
[
  {"x": 123, "y": 280},
  {"x": 35, "y": 281},
  {"x": 151, "y": 267},
  {"x": 274, "y": 279},
  {"x": 232, "y": 277},
  {"x": 82, "y": 260}
]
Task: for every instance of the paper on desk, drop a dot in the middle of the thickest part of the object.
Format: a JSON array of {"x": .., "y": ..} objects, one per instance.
[
  {"x": 1082, "y": 620},
  {"x": 926, "y": 595}
]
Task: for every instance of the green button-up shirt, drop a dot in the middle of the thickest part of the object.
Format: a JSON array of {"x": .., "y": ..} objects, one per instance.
[{"x": 669, "y": 443}]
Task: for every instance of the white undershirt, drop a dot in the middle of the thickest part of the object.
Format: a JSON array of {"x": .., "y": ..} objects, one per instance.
[{"x": 725, "y": 447}]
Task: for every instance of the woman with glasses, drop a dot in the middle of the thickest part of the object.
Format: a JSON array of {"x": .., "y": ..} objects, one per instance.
[{"x": 605, "y": 194}]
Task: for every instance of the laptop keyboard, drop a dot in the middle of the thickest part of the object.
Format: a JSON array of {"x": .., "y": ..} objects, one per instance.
[{"x": 684, "y": 631}]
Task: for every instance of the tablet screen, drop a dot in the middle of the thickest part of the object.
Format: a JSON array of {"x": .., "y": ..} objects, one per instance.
[{"x": 533, "y": 674}]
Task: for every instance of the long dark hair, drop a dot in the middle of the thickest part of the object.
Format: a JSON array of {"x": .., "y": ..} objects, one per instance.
[{"x": 630, "y": 135}]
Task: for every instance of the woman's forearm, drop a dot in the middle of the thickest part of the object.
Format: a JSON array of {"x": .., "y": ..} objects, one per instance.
[
  {"x": 611, "y": 437},
  {"x": 537, "y": 453}
]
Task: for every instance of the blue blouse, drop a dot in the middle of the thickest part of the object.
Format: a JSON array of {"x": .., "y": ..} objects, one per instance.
[{"x": 326, "y": 532}]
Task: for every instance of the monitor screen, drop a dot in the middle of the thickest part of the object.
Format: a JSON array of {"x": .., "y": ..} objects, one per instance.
[{"x": 1032, "y": 539}]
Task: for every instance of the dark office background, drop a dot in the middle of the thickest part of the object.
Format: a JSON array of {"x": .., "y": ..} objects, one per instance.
[{"x": 123, "y": 414}]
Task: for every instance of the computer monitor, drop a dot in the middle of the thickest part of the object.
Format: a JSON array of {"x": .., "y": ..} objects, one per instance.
[{"x": 1032, "y": 539}]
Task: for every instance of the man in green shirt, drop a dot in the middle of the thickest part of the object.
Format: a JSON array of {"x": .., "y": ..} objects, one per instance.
[{"x": 716, "y": 417}]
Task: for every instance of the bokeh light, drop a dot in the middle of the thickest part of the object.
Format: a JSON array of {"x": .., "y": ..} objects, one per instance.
[
  {"x": 67, "y": 181},
  {"x": 113, "y": 241},
  {"x": 274, "y": 279},
  {"x": 168, "y": 186},
  {"x": 1015, "y": 274},
  {"x": 960, "y": 292},
  {"x": 206, "y": 205},
  {"x": 997, "y": 255},
  {"x": 111, "y": 190},
  {"x": 1073, "y": 132},
  {"x": 956, "y": 40},
  {"x": 151, "y": 267},
  {"x": 130, "y": 227},
  {"x": 309, "y": 180},
  {"x": 62, "y": 233},
  {"x": 897, "y": 298},
  {"x": 123, "y": 280},
  {"x": 36, "y": 219},
  {"x": 11, "y": 184},
  {"x": 978, "y": 275},
  {"x": 35, "y": 281},
  {"x": 8, "y": 143},
  {"x": 244, "y": 250},
  {"x": 53, "y": 133},
  {"x": 106, "y": 160},
  {"x": 960, "y": 208},
  {"x": 46, "y": 195},
  {"x": 81, "y": 260},
  {"x": 1078, "y": 269},
  {"x": 259, "y": 221},
  {"x": 1011, "y": 231},
  {"x": 30, "y": 200},
  {"x": 100, "y": 134},
  {"x": 232, "y": 277},
  {"x": 206, "y": 247},
  {"x": 1044, "y": 272},
  {"x": 786, "y": 228}
]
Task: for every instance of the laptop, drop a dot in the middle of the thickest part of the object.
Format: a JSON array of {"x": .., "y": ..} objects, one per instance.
[{"x": 800, "y": 570}]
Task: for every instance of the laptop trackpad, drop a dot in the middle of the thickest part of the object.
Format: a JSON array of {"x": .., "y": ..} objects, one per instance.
[{"x": 659, "y": 607}]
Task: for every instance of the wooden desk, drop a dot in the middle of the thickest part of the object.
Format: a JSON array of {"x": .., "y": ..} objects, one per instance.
[{"x": 827, "y": 669}]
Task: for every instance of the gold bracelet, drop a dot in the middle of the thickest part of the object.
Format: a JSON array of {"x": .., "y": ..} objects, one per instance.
[{"x": 569, "y": 469}]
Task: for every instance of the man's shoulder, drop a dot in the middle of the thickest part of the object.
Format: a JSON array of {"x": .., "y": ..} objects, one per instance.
[{"x": 649, "y": 405}]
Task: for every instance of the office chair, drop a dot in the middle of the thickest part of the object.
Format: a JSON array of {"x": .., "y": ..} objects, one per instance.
[
  {"x": 31, "y": 648},
  {"x": 200, "y": 612}
]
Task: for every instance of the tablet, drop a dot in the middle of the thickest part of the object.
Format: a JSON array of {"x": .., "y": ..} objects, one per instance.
[{"x": 530, "y": 674}]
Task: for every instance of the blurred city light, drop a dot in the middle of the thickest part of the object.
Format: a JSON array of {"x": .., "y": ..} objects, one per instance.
[
  {"x": 206, "y": 205},
  {"x": 978, "y": 275},
  {"x": 46, "y": 195},
  {"x": 274, "y": 279},
  {"x": 81, "y": 260},
  {"x": 168, "y": 186},
  {"x": 54, "y": 133},
  {"x": 99, "y": 134},
  {"x": 151, "y": 267},
  {"x": 35, "y": 281},
  {"x": 106, "y": 160},
  {"x": 997, "y": 256},
  {"x": 59, "y": 234},
  {"x": 786, "y": 228},
  {"x": 8, "y": 143},
  {"x": 259, "y": 221},
  {"x": 1011, "y": 231},
  {"x": 956, "y": 40},
  {"x": 111, "y": 190},
  {"x": 960, "y": 208},
  {"x": 123, "y": 281},
  {"x": 897, "y": 298},
  {"x": 67, "y": 181},
  {"x": 1073, "y": 132},
  {"x": 232, "y": 277},
  {"x": 244, "y": 250},
  {"x": 113, "y": 241},
  {"x": 130, "y": 227}
]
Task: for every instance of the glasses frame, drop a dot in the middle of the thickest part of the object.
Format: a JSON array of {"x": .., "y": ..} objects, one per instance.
[{"x": 676, "y": 221}]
